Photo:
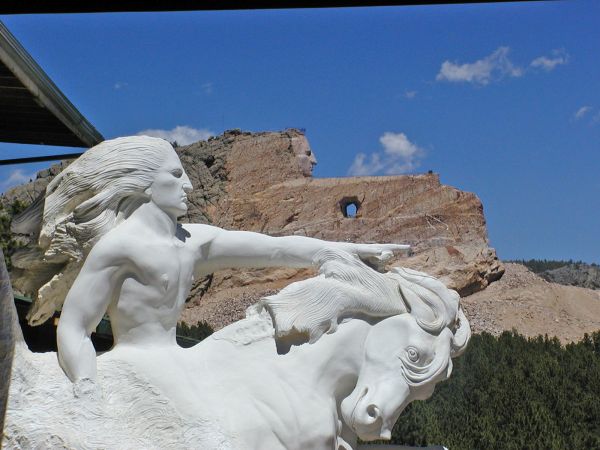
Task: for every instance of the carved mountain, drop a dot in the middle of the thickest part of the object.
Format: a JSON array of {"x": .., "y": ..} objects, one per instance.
[{"x": 262, "y": 182}]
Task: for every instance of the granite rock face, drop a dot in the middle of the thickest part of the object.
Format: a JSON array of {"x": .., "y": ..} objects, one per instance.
[
  {"x": 262, "y": 182},
  {"x": 27, "y": 193}
]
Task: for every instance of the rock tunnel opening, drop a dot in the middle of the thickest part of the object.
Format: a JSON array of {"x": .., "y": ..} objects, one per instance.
[{"x": 350, "y": 207}]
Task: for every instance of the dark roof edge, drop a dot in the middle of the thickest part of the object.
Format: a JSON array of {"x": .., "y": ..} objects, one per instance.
[
  {"x": 16, "y": 58},
  {"x": 104, "y": 6}
]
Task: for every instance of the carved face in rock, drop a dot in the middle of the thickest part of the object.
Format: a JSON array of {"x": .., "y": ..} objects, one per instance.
[
  {"x": 170, "y": 186},
  {"x": 304, "y": 156},
  {"x": 402, "y": 363}
]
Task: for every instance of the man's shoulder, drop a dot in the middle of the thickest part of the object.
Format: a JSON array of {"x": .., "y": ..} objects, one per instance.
[
  {"x": 117, "y": 245},
  {"x": 197, "y": 231},
  {"x": 197, "y": 236}
]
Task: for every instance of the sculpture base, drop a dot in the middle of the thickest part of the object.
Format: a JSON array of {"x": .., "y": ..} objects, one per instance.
[{"x": 130, "y": 413}]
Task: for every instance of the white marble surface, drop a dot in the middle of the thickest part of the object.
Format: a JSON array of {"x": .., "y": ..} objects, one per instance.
[{"x": 325, "y": 360}]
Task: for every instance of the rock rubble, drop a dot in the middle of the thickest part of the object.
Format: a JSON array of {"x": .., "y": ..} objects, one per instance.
[{"x": 524, "y": 301}]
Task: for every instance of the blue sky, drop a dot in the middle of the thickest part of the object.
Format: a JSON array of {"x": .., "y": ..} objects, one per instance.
[{"x": 502, "y": 100}]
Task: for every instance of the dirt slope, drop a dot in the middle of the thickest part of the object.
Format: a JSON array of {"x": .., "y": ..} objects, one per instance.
[{"x": 533, "y": 306}]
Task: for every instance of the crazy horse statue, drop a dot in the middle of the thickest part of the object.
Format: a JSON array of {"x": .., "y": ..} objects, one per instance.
[{"x": 323, "y": 362}]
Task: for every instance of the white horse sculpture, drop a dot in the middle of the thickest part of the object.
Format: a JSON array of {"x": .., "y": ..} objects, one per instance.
[{"x": 323, "y": 361}]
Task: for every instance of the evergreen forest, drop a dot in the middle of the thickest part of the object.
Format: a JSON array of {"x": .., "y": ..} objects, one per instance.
[
  {"x": 543, "y": 265},
  {"x": 506, "y": 393},
  {"x": 509, "y": 392}
]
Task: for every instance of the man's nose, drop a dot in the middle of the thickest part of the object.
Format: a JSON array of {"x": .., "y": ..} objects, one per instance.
[{"x": 187, "y": 184}]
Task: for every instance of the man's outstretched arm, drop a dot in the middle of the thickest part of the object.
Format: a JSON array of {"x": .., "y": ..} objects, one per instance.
[{"x": 229, "y": 249}]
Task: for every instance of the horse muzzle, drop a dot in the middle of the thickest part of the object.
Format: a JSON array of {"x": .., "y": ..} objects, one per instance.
[{"x": 372, "y": 413}]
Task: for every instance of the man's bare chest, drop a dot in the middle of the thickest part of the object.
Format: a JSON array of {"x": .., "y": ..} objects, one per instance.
[{"x": 164, "y": 266}]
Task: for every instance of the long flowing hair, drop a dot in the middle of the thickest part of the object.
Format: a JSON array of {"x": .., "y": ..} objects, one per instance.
[
  {"x": 81, "y": 204},
  {"x": 97, "y": 191}
]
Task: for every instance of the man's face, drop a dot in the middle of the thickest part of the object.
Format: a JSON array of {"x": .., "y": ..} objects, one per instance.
[
  {"x": 170, "y": 186},
  {"x": 304, "y": 156}
]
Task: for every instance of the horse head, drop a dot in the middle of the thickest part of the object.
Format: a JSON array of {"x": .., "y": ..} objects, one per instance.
[
  {"x": 417, "y": 327},
  {"x": 406, "y": 355}
]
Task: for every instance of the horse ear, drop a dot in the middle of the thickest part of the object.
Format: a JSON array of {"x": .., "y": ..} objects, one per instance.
[{"x": 461, "y": 336}]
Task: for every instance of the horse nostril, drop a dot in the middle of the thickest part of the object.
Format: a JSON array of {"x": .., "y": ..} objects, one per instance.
[{"x": 373, "y": 411}]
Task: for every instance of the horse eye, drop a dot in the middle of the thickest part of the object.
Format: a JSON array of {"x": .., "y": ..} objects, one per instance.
[
  {"x": 413, "y": 354},
  {"x": 177, "y": 173}
]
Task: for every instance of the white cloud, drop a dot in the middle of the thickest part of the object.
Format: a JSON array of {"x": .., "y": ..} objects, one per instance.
[
  {"x": 581, "y": 112},
  {"x": 399, "y": 156},
  {"x": 398, "y": 144},
  {"x": 494, "y": 66},
  {"x": 410, "y": 94},
  {"x": 207, "y": 88},
  {"x": 182, "y": 134},
  {"x": 596, "y": 118},
  {"x": 543, "y": 62},
  {"x": 120, "y": 85},
  {"x": 16, "y": 177},
  {"x": 362, "y": 165}
]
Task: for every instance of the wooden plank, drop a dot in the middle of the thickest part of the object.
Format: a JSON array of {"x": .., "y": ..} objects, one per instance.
[
  {"x": 10, "y": 81},
  {"x": 17, "y": 109},
  {"x": 23, "y": 82},
  {"x": 27, "y": 122},
  {"x": 14, "y": 94},
  {"x": 39, "y": 138}
]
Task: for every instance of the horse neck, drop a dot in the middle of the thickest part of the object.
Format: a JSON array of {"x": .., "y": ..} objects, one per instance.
[{"x": 332, "y": 364}]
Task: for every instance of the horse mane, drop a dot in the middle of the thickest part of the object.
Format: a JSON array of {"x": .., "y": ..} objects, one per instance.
[{"x": 346, "y": 287}]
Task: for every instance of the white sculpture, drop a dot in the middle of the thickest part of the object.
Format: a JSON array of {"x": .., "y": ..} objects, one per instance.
[{"x": 317, "y": 364}]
